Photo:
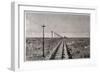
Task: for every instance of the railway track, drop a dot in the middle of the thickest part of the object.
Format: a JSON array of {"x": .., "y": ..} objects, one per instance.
[{"x": 60, "y": 51}]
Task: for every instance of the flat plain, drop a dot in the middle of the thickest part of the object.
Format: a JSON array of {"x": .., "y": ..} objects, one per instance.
[{"x": 76, "y": 48}]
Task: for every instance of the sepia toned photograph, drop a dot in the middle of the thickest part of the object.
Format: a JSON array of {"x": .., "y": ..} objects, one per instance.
[{"x": 56, "y": 35}]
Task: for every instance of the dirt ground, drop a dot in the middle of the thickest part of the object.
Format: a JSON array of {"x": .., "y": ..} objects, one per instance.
[{"x": 80, "y": 47}]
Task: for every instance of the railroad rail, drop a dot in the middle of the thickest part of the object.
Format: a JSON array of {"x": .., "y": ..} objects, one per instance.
[{"x": 60, "y": 51}]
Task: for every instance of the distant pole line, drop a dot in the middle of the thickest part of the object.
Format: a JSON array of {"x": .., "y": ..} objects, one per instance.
[
  {"x": 57, "y": 34},
  {"x": 43, "y": 39}
]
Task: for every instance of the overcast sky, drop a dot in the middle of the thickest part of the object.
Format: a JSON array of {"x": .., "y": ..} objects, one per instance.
[{"x": 68, "y": 24}]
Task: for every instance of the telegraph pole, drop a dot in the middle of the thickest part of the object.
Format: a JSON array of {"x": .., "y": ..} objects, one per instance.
[
  {"x": 43, "y": 39},
  {"x": 51, "y": 34}
]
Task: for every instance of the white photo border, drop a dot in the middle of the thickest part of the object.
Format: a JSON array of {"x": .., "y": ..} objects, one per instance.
[{"x": 18, "y": 62}]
